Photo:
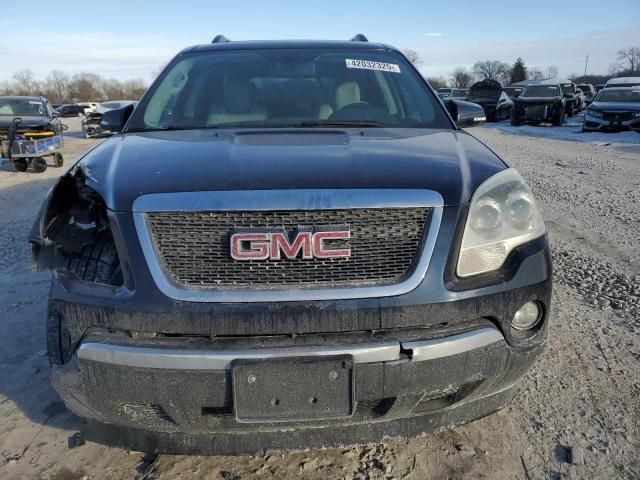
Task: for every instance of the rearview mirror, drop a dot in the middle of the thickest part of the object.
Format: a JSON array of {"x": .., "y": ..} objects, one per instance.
[
  {"x": 113, "y": 121},
  {"x": 465, "y": 114}
]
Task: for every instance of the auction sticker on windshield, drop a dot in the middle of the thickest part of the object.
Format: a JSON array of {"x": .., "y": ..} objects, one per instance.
[{"x": 369, "y": 65}]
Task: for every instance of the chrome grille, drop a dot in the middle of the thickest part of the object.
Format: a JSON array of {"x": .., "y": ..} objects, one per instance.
[{"x": 193, "y": 248}]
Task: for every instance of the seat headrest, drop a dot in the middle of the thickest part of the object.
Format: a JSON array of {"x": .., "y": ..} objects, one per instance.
[
  {"x": 237, "y": 93},
  {"x": 346, "y": 94}
]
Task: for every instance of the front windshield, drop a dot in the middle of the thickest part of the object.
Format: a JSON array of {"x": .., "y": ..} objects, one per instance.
[
  {"x": 288, "y": 88},
  {"x": 20, "y": 107},
  {"x": 568, "y": 88},
  {"x": 541, "y": 91},
  {"x": 622, "y": 96},
  {"x": 512, "y": 91}
]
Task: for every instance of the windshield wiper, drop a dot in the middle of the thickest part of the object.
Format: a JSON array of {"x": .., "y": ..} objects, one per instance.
[{"x": 338, "y": 123}]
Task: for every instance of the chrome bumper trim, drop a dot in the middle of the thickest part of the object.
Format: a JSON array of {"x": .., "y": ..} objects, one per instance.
[
  {"x": 422, "y": 350},
  {"x": 167, "y": 358},
  {"x": 212, "y": 360}
]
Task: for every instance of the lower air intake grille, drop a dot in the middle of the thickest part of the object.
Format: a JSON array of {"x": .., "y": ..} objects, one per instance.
[{"x": 194, "y": 248}]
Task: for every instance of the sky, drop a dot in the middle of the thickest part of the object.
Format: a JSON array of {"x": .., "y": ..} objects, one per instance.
[{"x": 135, "y": 38}]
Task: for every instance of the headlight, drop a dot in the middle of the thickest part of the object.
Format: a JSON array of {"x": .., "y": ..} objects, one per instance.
[
  {"x": 503, "y": 215},
  {"x": 594, "y": 113},
  {"x": 636, "y": 114}
]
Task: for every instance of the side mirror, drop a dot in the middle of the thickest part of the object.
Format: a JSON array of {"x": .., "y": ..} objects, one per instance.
[
  {"x": 55, "y": 114},
  {"x": 113, "y": 121},
  {"x": 465, "y": 114}
]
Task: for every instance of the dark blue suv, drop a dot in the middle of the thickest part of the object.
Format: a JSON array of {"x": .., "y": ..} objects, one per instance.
[{"x": 290, "y": 245}]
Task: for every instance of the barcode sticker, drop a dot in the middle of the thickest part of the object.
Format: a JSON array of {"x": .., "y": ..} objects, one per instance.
[{"x": 369, "y": 65}]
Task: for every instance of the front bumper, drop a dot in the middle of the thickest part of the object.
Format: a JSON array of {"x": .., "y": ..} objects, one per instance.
[
  {"x": 161, "y": 398},
  {"x": 592, "y": 123}
]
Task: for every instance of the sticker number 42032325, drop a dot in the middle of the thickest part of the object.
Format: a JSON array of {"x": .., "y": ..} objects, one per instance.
[{"x": 369, "y": 65}]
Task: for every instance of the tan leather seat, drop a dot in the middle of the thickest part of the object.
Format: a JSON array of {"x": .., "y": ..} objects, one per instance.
[
  {"x": 238, "y": 105},
  {"x": 347, "y": 93}
]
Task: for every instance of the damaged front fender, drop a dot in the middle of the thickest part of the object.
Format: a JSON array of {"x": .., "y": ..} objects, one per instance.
[{"x": 72, "y": 232}]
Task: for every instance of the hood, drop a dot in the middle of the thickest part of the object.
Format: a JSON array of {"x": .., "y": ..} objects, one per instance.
[
  {"x": 616, "y": 106},
  {"x": 27, "y": 121},
  {"x": 450, "y": 162},
  {"x": 488, "y": 89}
]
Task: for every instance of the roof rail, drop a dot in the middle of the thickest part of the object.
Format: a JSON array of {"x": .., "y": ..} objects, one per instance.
[
  {"x": 220, "y": 39},
  {"x": 359, "y": 38}
]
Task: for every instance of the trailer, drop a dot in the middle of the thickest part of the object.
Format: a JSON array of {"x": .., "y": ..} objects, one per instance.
[{"x": 31, "y": 149}]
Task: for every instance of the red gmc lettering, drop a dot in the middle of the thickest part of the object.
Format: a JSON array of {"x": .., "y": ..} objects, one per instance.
[
  {"x": 276, "y": 245},
  {"x": 320, "y": 250}
]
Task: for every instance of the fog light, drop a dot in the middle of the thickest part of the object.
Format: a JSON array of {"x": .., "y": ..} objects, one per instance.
[{"x": 527, "y": 317}]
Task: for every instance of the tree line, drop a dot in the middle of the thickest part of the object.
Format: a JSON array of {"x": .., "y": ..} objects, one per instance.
[
  {"x": 627, "y": 64},
  {"x": 59, "y": 87}
]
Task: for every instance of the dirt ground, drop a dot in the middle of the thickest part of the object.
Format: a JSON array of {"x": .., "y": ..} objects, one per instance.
[{"x": 576, "y": 415}]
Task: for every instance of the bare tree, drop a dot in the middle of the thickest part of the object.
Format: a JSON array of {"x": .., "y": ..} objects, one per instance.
[
  {"x": 552, "y": 72},
  {"x": 535, "y": 74},
  {"x": 57, "y": 87},
  {"x": 629, "y": 59},
  {"x": 492, "y": 70},
  {"x": 436, "y": 82},
  {"x": 27, "y": 84},
  {"x": 461, "y": 78},
  {"x": 412, "y": 56}
]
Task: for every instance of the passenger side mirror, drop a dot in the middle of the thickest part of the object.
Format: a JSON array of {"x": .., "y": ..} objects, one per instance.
[
  {"x": 465, "y": 114},
  {"x": 113, "y": 121},
  {"x": 55, "y": 114}
]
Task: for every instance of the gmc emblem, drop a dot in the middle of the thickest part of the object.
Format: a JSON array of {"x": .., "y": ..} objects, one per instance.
[{"x": 276, "y": 245}]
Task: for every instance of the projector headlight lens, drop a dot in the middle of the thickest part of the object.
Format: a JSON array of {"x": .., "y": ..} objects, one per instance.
[{"x": 502, "y": 215}]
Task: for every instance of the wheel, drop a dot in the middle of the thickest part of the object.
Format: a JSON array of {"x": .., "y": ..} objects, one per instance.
[
  {"x": 97, "y": 262},
  {"x": 58, "y": 160},
  {"x": 38, "y": 164},
  {"x": 20, "y": 165},
  {"x": 571, "y": 111},
  {"x": 514, "y": 121}
]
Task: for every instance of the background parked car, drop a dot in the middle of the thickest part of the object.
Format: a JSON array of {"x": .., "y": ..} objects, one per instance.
[
  {"x": 539, "y": 103},
  {"x": 444, "y": 92},
  {"x": 70, "y": 110},
  {"x": 459, "y": 93},
  {"x": 572, "y": 102},
  {"x": 614, "y": 109},
  {"x": 89, "y": 107},
  {"x": 496, "y": 104},
  {"x": 91, "y": 123},
  {"x": 513, "y": 91},
  {"x": 581, "y": 101},
  {"x": 588, "y": 90},
  {"x": 623, "y": 82}
]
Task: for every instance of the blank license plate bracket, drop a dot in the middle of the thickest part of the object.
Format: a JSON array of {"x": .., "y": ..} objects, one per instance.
[{"x": 293, "y": 389}]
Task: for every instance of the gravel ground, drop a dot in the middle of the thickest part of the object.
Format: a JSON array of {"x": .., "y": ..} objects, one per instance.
[{"x": 576, "y": 415}]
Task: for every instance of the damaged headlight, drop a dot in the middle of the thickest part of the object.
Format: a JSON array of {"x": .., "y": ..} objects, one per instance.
[{"x": 502, "y": 215}]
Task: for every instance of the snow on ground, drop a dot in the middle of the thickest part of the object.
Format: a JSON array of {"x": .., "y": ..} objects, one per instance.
[{"x": 571, "y": 131}]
